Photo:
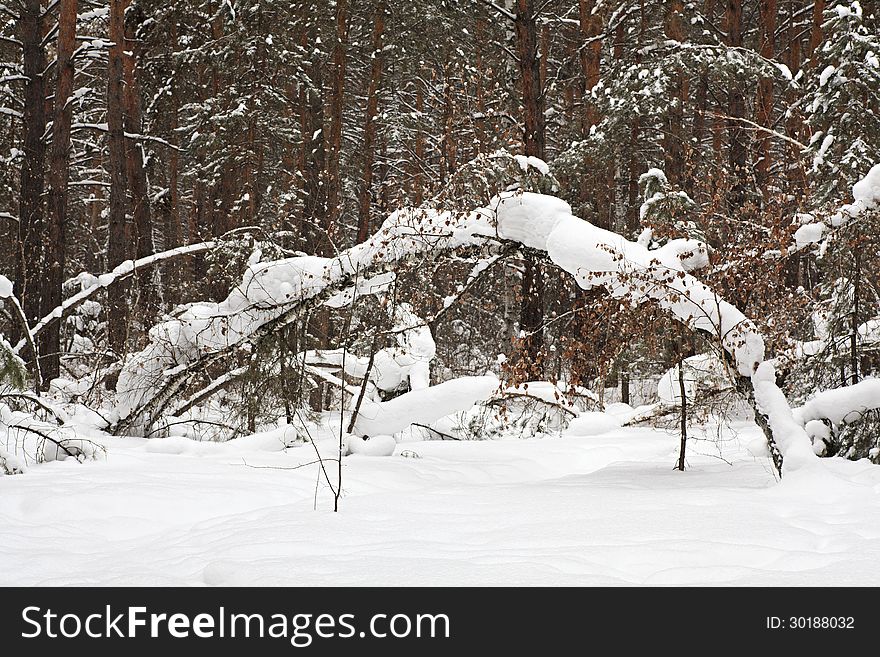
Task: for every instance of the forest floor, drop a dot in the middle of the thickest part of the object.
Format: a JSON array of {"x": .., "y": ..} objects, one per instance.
[{"x": 568, "y": 510}]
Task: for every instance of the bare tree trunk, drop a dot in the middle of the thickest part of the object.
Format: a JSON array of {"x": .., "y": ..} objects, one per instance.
[
  {"x": 337, "y": 103},
  {"x": 590, "y": 56},
  {"x": 764, "y": 100},
  {"x": 532, "y": 306},
  {"x": 315, "y": 211},
  {"x": 173, "y": 233},
  {"x": 674, "y": 139},
  {"x": 530, "y": 78},
  {"x": 56, "y": 239},
  {"x": 737, "y": 152},
  {"x": 119, "y": 235},
  {"x": 447, "y": 150},
  {"x": 29, "y": 261},
  {"x": 418, "y": 176},
  {"x": 365, "y": 196},
  {"x": 816, "y": 35},
  {"x": 684, "y": 427},
  {"x": 137, "y": 175},
  {"x": 854, "y": 335}
]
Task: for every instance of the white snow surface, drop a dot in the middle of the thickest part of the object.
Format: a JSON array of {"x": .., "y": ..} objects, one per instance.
[
  {"x": 597, "y": 510},
  {"x": 592, "y": 424}
]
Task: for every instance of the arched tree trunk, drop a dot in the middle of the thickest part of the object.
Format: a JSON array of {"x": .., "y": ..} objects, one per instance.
[{"x": 151, "y": 379}]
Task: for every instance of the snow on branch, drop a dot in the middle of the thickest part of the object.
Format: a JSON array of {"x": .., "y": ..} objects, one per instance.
[
  {"x": 273, "y": 294},
  {"x": 866, "y": 197},
  {"x": 98, "y": 283},
  {"x": 841, "y": 405}
]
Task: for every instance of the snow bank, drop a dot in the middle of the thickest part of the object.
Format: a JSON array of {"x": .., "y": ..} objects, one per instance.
[
  {"x": 592, "y": 424},
  {"x": 11, "y": 464},
  {"x": 375, "y": 446},
  {"x": 423, "y": 406}
]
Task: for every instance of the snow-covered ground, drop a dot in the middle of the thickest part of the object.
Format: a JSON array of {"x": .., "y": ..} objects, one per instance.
[{"x": 569, "y": 510}]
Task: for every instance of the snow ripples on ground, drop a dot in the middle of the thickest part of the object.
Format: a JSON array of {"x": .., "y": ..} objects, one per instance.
[{"x": 573, "y": 510}]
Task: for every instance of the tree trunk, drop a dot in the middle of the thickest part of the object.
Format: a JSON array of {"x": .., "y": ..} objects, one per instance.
[
  {"x": 530, "y": 79},
  {"x": 313, "y": 162},
  {"x": 137, "y": 175},
  {"x": 591, "y": 57},
  {"x": 737, "y": 152},
  {"x": 531, "y": 318},
  {"x": 682, "y": 390},
  {"x": 173, "y": 233},
  {"x": 854, "y": 319},
  {"x": 674, "y": 138},
  {"x": 337, "y": 103},
  {"x": 119, "y": 229},
  {"x": 29, "y": 262},
  {"x": 365, "y": 196},
  {"x": 56, "y": 239},
  {"x": 816, "y": 35},
  {"x": 764, "y": 100}
]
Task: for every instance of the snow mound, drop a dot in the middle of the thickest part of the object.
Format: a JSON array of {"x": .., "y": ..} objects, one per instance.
[
  {"x": 375, "y": 446},
  {"x": 592, "y": 424},
  {"x": 423, "y": 406}
]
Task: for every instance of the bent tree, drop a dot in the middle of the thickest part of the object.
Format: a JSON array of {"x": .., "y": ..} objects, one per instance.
[{"x": 274, "y": 294}]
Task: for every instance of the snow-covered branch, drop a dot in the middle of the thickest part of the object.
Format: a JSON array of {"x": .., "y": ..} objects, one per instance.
[
  {"x": 98, "y": 283},
  {"x": 274, "y": 293}
]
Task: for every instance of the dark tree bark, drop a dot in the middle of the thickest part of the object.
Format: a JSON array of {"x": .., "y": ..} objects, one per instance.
[
  {"x": 314, "y": 153},
  {"x": 119, "y": 229},
  {"x": 816, "y": 35},
  {"x": 531, "y": 318},
  {"x": 526, "y": 30},
  {"x": 736, "y": 137},
  {"x": 56, "y": 233},
  {"x": 682, "y": 390},
  {"x": 674, "y": 138},
  {"x": 590, "y": 57},
  {"x": 137, "y": 175},
  {"x": 365, "y": 197},
  {"x": 764, "y": 100},
  {"x": 172, "y": 228},
  {"x": 337, "y": 104},
  {"x": 29, "y": 261}
]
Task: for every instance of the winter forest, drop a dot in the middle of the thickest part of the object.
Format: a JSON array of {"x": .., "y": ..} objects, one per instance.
[{"x": 529, "y": 291}]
